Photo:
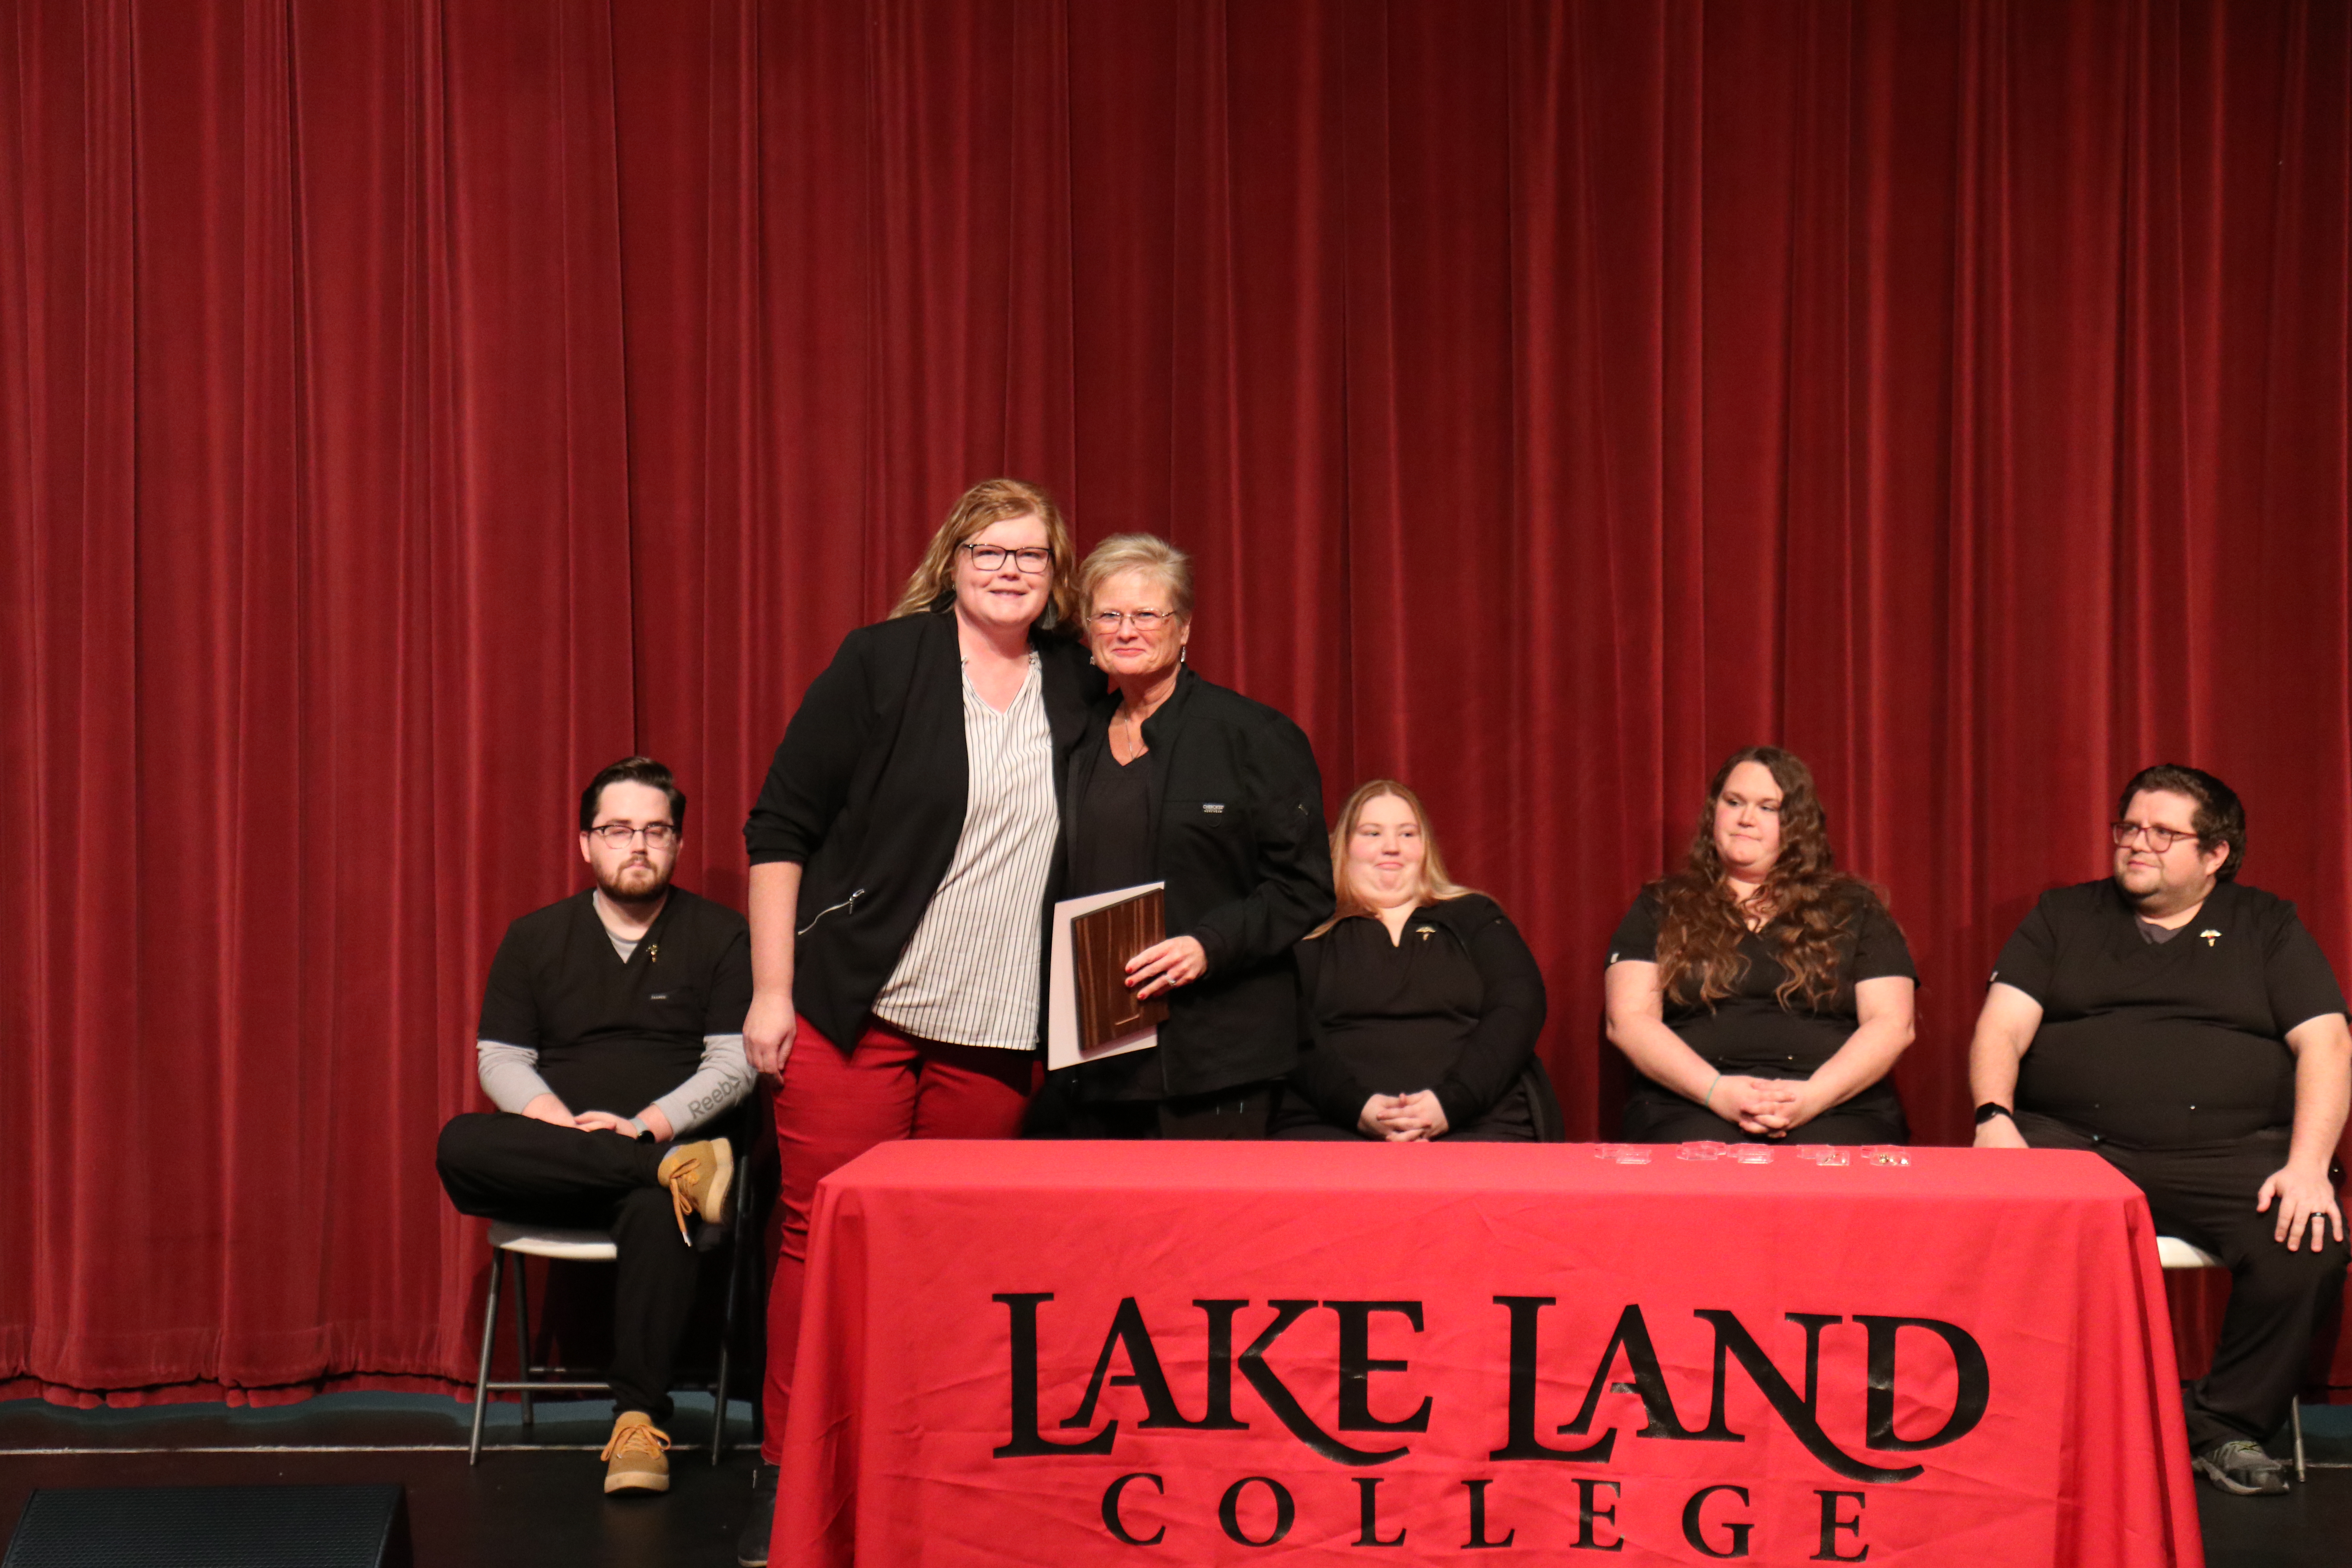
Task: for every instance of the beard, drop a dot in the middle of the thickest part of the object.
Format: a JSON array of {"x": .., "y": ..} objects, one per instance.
[
  {"x": 2152, "y": 897},
  {"x": 634, "y": 881}
]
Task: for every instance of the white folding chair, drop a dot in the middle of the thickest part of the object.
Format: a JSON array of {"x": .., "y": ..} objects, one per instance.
[
  {"x": 2172, "y": 1252},
  {"x": 510, "y": 1243}
]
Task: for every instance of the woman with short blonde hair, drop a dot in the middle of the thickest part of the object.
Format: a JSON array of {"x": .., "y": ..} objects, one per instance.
[{"x": 1181, "y": 781}]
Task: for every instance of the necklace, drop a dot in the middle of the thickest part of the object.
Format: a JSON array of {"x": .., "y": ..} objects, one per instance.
[{"x": 1135, "y": 746}]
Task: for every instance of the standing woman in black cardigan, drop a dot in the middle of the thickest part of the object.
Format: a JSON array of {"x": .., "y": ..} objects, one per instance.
[
  {"x": 908, "y": 833},
  {"x": 1420, "y": 1002},
  {"x": 1181, "y": 780}
]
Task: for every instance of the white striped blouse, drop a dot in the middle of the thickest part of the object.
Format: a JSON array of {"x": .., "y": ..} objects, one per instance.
[{"x": 969, "y": 976}]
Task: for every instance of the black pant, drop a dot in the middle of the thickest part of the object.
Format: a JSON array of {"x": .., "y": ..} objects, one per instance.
[
  {"x": 1236, "y": 1113},
  {"x": 1510, "y": 1120},
  {"x": 502, "y": 1166},
  {"x": 1655, "y": 1115},
  {"x": 2278, "y": 1299}
]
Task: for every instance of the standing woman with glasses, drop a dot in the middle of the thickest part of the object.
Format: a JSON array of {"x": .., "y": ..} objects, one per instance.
[
  {"x": 1183, "y": 781},
  {"x": 1762, "y": 994},
  {"x": 903, "y": 858}
]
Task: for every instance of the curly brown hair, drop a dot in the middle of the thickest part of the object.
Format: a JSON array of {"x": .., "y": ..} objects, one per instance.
[{"x": 1808, "y": 901}]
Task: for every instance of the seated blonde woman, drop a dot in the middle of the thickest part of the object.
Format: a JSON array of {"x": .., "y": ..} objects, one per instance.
[{"x": 1419, "y": 1003}]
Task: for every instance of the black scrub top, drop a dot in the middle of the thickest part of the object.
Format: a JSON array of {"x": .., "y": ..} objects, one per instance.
[
  {"x": 1750, "y": 1031},
  {"x": 2165, "y": 1045},
  {"x": 614, "y": 1036},
  {"x": 1399, "y": 1013},
  {"x": 1110, "y": 847},
  {"x": 1396, "y": 1013},
  {"x": 1111, "y": 832}
]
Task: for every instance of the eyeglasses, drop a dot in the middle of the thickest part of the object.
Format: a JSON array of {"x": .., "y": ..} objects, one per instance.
[
  {"x": 2159, "y": 838},
  {"x": 1144, "y": 621},
  {"x": 657, "y": 835},
  {"x": 991, "y": 557}
]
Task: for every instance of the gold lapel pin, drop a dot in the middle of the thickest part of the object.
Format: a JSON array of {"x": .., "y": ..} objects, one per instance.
[{"x": 2209, "y": 933}]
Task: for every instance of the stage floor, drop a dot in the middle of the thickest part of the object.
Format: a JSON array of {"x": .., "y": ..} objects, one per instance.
[
  {"x": 524, "y": 1507},
  {"x": 517, "y": 1508}
]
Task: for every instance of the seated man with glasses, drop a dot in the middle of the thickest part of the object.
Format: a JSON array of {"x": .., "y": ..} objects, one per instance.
[
  {"x": 2188, "y": 1028},
  {"x": 613, "y": 1027}
]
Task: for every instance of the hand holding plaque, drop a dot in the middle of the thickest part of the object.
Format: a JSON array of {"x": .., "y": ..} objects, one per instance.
[
  {"x": 1091, "y": 1012},
  {"x": 1100, "y": 944}
]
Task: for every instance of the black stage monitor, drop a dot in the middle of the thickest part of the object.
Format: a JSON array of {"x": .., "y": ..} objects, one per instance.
[{"x": 211, "y": 1527}]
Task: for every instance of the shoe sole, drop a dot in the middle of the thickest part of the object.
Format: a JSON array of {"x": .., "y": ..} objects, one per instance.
[
  {"x": 714, "y": 1201},
  {"x": 639, "y": 1483},
  {"x": 2221, "y": 1477}
]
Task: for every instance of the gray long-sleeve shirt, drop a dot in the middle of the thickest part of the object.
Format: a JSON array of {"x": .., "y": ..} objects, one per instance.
[{"x": 510, "y": 1077}]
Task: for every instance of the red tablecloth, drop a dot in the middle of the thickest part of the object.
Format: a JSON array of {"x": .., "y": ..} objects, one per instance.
[{"x": 1319, "y": 1348}]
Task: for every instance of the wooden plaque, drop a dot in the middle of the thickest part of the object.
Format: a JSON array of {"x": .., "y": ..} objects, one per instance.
[{"x": 1100, "y": 945}]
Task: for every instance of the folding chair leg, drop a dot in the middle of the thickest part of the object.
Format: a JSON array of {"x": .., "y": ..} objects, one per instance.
[
  {"x": 727, "y": 1340},
  {"x": 718, "y": 1410},
  {"x": 482, "y": 1372},
  {"x": 523, "y": 1332},
  {"x": 2294, "y": 1415}
]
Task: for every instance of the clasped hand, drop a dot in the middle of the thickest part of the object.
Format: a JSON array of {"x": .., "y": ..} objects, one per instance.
[
  {"x": 547, "y": 1107},
  {"x": 1402, "y": 1118},
  {"x": 604, "y": 1121},
  {"x": 1765, "y": 1107}
]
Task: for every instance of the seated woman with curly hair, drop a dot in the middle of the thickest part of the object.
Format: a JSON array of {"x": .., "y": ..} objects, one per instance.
[{"x": 1761, "y": 993}]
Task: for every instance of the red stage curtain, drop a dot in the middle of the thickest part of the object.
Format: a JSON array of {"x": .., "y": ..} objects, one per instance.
[{"x": 406, "y": 408}]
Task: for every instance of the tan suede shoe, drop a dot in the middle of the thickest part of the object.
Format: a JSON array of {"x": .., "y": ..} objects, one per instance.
[
  {"x": 634, "y": 1457},
  {"x": 698, "y": 1176}
]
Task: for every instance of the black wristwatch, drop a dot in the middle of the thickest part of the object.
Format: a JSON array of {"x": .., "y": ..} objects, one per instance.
[{"x": 1990, "y": 1108}]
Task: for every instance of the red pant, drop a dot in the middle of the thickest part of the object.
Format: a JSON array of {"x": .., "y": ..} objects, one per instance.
[{"x": 831, "y": 1107}]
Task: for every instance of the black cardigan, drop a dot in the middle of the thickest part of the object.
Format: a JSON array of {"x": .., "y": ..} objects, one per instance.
[
  {"x": 1510, "y": 1016},
  {"x": 1238, "y": 834},
  {"x": 866, "y": 793}
]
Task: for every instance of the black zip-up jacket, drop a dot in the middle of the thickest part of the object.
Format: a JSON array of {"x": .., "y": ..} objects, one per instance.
[
  {"x": 1238, "y": 834},
  {"x": 1510, "y": 1016},
  {"x": 866, "y": 793}
]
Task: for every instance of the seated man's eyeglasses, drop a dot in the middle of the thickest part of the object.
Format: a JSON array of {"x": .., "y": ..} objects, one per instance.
[
  {"x": 658, "y": 835},
  {"x": 2159, "y": 838},
  {"x": 991, "y": 557}
]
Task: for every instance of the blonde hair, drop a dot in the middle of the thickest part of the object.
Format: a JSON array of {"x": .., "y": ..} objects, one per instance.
[
  {"x": 932, "y": 587},
  {"x": 1145, "y": 552},
  {"x": 1435, "y": 885}
]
